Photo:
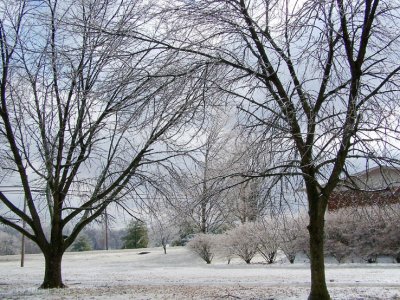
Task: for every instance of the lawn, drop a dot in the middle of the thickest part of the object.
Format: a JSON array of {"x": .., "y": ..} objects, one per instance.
[{"x": 127, "y": 274}]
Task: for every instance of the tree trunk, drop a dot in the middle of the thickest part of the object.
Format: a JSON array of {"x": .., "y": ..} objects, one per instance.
[
  {"x": 319, "y": 289},
  {"x": 203, "y": 226},
  {"x": 291, "y": 259},
  {"x": 52, "y": 276}
]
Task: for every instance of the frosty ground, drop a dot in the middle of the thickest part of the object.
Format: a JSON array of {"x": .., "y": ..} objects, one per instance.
[{"x": 126, "y": 274}]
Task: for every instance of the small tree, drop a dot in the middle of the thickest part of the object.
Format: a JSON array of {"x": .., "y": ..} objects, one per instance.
[
  {"x": 82, "y": 243},
  {"x": 163, "y": 232},
  {"x": 204, "y": 246},
  {"x": 266, "y": 233},
  {"x": 136, "y": 236},
  {"x": 242, "y": 243},
  {"x": 293, "y": 238},
  {"x": 162, "y": 224}
]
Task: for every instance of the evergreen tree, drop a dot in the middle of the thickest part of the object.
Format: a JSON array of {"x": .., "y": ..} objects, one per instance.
[
  {"x": 136, "y": 236},
  {"x": 82, "y": 243}
]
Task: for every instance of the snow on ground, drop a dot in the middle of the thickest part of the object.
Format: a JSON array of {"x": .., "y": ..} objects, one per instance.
[{"x": 125, "y": 274}]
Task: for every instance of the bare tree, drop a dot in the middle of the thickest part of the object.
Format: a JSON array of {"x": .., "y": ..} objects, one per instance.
[
  {"x": 320, "y": 77},
  {"x": 163, "y": 227},
  {"x": 247, "y": 200},
  {"x": 201, "y": 184},
  {"x": 86, "y": 115},
  {"x": 212, "y": 151}
]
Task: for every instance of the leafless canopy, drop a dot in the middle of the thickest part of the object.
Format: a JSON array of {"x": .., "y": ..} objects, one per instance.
[
  {"x": 317, "y": 81},
  {"x": 86, "y": 112}
]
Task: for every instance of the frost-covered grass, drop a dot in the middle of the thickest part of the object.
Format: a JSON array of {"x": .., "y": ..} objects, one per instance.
[{"x": 124, "y": 274}]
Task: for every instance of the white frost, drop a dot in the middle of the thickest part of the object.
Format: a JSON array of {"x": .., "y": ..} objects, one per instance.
[{"x": 124, "y": 274}]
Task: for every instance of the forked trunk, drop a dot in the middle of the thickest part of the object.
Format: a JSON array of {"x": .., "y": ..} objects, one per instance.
[
  {"x": 52, "y": 276},
  {"x": 319, "y": 290}
]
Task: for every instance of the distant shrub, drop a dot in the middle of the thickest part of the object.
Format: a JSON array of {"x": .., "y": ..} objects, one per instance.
[
  {"x": 9, "y": 244},
  {"x": 176, "y": 242}
]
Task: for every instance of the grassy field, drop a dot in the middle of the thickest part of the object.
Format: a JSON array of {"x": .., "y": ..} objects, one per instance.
[{"x": 126, "y": 274}]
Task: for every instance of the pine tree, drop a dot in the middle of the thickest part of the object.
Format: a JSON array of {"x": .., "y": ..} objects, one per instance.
[{"x": 136, "y": 236}]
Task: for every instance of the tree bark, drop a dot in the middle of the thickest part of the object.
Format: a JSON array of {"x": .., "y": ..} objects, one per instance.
[
  {"x": 52, "y": 276},
  {"x": 203, "y": 226},
  {"x": 319, "y": 289}
]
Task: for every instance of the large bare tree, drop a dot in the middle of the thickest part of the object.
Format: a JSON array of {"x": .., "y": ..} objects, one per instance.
[
  {"x": 320, "y": 78},
  {"x": 85, "y": 114}
]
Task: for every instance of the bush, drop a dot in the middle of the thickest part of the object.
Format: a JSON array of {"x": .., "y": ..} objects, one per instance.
[
  {"x": 241, "y": 242},
  {"x": 368, "y": 240},
  {"x": 204, "y": 245},
  {"x": 223, "y": 247},
  {"x": 339, "y": 233},
  {"x": 366, "y": 232},
  {"x": 176, "y": 242},
  {"x": 392, "y": 235}
]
